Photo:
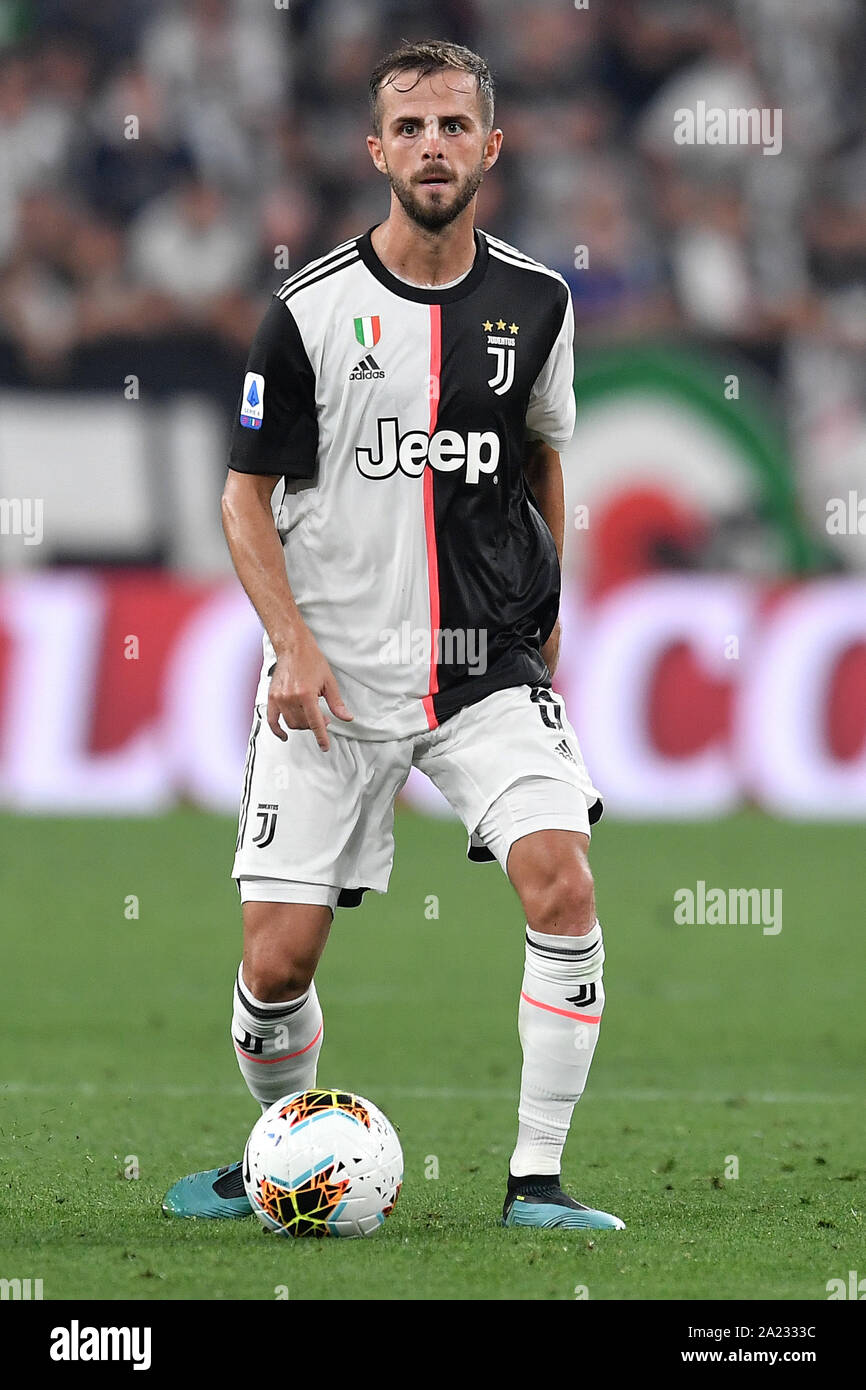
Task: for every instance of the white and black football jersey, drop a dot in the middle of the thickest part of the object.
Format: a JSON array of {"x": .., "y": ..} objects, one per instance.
[{"x": 396, "y": 417}]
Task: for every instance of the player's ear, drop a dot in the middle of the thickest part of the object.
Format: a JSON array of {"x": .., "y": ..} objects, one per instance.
[
  {"x": 374, "y": 145},
  {"x": 492, "y": 146}
]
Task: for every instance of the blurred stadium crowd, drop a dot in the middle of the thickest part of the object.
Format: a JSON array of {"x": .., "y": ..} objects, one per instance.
[
  {"x": 250, "y": 136},
  {"x": 163, "y": 166}
]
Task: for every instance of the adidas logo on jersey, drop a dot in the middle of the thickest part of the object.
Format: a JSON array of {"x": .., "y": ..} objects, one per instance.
[
  {"x": 368, "y": 369},
  {"x": 563, "y": 748},
  {"x": 447, "y": 451}
]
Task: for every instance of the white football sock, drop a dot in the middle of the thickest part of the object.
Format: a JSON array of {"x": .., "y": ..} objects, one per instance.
[
  {"x": 277, "y": 1045},
  {"x": 561, "y": 1004}
]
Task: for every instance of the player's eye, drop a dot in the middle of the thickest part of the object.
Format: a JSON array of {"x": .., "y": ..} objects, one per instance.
[
  {"x": 453, "y": 127},
  {"x": 408, "y": 128}
]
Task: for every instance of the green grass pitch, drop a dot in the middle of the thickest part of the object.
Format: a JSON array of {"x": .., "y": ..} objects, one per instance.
[{"x": 716, "y": 1042}]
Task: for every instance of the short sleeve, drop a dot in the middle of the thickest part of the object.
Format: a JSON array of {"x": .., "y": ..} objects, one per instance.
[
  {"x": 276, "y": 428},
  {"x": 551, "y": 411}
]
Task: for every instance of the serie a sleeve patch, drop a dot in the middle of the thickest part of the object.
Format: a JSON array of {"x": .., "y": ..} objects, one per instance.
[{"x": 253, "y": 401}]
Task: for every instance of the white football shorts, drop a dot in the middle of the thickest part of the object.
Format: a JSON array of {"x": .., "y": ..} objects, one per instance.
[{"x": 319, "y": 827}]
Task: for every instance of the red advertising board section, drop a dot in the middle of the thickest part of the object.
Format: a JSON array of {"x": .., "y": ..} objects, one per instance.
[{"x": 691, "y": 695}]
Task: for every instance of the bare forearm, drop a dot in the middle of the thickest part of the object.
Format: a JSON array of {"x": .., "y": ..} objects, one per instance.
[
  {"x": 544, "y": 475},
  {"x": 301, "y": 675},
  {"x": 257, "y": 555}
]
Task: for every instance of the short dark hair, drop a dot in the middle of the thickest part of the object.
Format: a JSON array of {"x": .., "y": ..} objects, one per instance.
[{"x": 426, "y": 57}]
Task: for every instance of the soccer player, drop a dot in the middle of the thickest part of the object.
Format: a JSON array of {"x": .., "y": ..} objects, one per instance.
[{"x": 394, "y": 510}]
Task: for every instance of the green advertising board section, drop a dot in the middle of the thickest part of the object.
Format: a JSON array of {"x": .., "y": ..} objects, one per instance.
[{"x": 746, "y": 428}]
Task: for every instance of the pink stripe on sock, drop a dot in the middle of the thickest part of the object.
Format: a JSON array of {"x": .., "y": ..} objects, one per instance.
[
  {"x": 269, "y": 1061},
  {"x": 565, "y": 1013}
]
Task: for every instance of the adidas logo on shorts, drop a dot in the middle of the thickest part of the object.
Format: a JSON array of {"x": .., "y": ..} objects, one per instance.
[
  {"x": 566, "y": 752},
  {"x": 368, "y": 369}
]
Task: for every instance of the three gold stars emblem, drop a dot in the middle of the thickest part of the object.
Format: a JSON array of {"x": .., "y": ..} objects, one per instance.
[{"x": 501, "y": 326}]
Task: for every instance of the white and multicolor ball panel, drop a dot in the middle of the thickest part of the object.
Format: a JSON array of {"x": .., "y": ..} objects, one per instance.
[{"x": 323, "y": 1163}]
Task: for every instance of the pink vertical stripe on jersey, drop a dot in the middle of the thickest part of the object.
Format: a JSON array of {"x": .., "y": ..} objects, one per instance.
[{"x": 433, "y": 380}]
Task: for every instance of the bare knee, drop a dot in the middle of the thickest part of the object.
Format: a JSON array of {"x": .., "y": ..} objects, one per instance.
[
  {"x": 562, "y": 901},
  {"x": 283, "y": 943},
  {"x": 273, "y": 980}
]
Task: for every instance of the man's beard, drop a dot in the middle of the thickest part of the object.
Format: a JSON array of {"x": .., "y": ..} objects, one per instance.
[{"x": 428, "y": 215}]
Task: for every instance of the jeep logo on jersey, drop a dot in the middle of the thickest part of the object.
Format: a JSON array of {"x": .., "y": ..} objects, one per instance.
[{"x": 446, "y": 450}]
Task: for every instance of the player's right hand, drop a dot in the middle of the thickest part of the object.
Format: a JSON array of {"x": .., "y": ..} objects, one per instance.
[{"x": 300, "y": 676}]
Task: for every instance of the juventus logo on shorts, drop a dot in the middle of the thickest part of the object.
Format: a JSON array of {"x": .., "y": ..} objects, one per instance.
[
  {"x": 585, "y": 995},
  {"x": 267, "y": 815},
  {"x": 548, "y": 707}
]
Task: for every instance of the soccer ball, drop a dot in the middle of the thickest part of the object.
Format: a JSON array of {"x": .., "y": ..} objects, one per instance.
[{"x": 323, "y": 1163}]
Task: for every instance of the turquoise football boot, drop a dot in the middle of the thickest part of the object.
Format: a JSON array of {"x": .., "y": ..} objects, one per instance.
[
  {"x": 538, "y": 1200},
  {"x": 217, "y": 1194}
]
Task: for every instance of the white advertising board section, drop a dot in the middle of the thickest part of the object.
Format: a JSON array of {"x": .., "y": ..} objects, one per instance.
[{"x": 91, "y": 722}]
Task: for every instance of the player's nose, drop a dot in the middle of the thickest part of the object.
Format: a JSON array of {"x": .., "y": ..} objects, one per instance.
[{"x": 432, "y": 144}]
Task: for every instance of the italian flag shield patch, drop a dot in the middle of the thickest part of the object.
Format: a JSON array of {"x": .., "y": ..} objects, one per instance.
[{"x": 368, "y": 331}]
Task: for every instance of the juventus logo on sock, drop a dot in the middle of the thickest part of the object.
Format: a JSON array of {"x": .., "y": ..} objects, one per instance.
[
  {"x": 249, "y": 1042},
  {"x": 586, "y": 994}
]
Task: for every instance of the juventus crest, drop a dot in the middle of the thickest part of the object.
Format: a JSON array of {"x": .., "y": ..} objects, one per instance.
[
  {"x": 502, "y": 347},
  {"x": 586, "y": 995},
  {"x": 267, "y": 817}
]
